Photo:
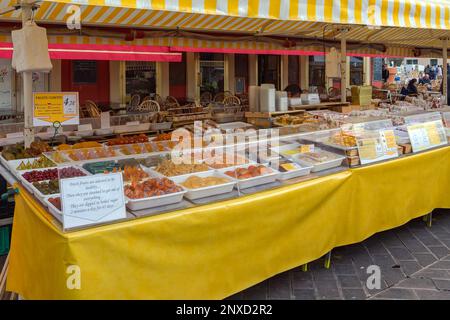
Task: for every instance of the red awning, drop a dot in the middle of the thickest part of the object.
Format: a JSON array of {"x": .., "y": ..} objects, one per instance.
[{"x": 102, "y": 52}]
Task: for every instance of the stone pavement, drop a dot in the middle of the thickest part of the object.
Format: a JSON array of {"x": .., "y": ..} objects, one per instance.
[{"x": 414, "y": 261}]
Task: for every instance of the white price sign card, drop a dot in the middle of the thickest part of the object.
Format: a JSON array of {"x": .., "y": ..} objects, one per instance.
[
  {"x": 379, "y": 148},
  {"x": 427, "y": 135},
  {"x": 92, "y": 199}
]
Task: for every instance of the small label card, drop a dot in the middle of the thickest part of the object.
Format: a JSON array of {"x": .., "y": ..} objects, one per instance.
[
  {"x": 427, "y": 135},
  {"x": 92, "y": 199}
]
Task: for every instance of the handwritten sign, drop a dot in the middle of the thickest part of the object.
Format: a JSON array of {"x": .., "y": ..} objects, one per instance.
[
  {"x": 49, "y": 107},
  {"x": 92, "y": 199},
  {"x": 377, "y": 148},
  {"x": 427, "y": 135}
]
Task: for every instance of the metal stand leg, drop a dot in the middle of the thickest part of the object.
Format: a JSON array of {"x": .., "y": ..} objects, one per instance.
[
  {"x": 327, "y": 263},
  {"x": 305, "y": 267},
  {"x": 429, "y": 219}
]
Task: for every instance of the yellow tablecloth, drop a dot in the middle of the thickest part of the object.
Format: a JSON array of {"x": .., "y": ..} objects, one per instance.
[{"x": 213, "y": 251}]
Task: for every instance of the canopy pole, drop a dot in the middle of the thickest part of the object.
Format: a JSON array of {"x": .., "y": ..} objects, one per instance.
[
  {"x": 444, "y": 69},
  {"x": 27, "y": 86},
  {"x": 343, "y": 65}
]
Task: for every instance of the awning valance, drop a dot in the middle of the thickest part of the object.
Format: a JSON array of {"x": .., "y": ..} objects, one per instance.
[
  {"x": 370, "y": 21},
  {"x": 64, "y": 51}
]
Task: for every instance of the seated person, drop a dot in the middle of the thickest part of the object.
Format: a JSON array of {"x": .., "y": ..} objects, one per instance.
[
  {"x": 412, "y": 87},
  {"x": 293, "y": 90},
  {"x": 425, "y": 80}
]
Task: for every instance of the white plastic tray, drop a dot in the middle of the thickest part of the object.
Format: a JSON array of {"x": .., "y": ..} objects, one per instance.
[
  {"x": 304, "y": 171},
  {"x": 281, "y": 149},
  {"x": 29, "y": 186},
  {"x": 145, "y": 203},
  {"x": 336, "y": 162},
  {"x": 193, "y": 194},
  {"x": 255, "y": 181},
  {"x": 53, "y": 210}
]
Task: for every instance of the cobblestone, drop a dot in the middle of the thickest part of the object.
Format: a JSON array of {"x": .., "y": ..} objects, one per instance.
[{"x": 414, "y": 261}]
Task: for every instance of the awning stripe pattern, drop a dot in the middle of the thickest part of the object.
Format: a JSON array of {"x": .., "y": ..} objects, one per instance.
[{"x": 248, "y": 15}]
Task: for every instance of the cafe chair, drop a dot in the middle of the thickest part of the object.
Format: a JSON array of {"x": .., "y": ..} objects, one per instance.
[
  {"x": 134, "y": 101},
  {"x": 219, "y": 97},
  {"x": 206, "y": 97},
  {"x": 149, "y": 106},
  {"x": 90, "y": 110},
  {"x": 231, "y": 101}
]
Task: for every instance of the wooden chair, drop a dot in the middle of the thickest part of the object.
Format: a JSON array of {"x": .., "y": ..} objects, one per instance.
[
  {"x": 206, "y": 97},
  {"x": 158, "y": 99},
  {"x": 231, "y": 101},
  {"x": 219, "y": 97},
  {"x": 90, "y": 110},
  {"x": 148, "y": 106},
  {"x": 134, "y": 101}
]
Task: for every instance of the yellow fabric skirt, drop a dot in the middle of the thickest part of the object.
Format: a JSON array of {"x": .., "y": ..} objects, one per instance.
[{"x": 216, "y": 250}]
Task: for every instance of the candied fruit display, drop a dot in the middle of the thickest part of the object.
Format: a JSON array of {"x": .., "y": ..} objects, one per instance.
[
  {"x": 39, "y": 163},
  {"x": 151, "y": 188},
  {"x": 47, "y": 187},
  {"x": 127, "y": 140},
  {"x": 249, "y": 172}
]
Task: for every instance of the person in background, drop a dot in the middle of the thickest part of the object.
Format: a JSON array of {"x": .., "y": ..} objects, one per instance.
[
  {"x": 427, "y": 69},
  {"x": 385, "y": 73},
  {"x": 293, "y": 90},
  {"x": 412, "y": 87},
  {"x": 425, "y": 79},
  {"x": 432, "y": 72},
  {"x": 439, "y": 72}
]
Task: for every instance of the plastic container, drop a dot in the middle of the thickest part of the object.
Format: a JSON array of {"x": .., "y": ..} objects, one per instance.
[
  {"x": 255, "y": 181},
  {"x": 336, "y": 161},
  {"x": 198, "y": 193},
  {"x": 52, "y": 209},
  {"x": 301, "y": 172},
  {"x": 287, "y": 150},
  {"x": 103, "y": 132},
  {"x": 145, "y": 203}
]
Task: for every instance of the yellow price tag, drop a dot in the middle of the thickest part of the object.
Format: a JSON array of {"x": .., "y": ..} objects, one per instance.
[
  {"x": 367, "y": 148},
  {"x": 433, "y": 133},
  {"x": 305, "y": 148}
]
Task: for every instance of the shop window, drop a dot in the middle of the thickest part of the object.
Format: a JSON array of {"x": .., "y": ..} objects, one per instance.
[
  {"x": 6, "y": 89},
  {"x": 241, "y": 73},
  {"x": 294, "y": 70},
  {"x": 177, "y": 79},
  {"x": 212, "y": 72},
  {"x": 140, "y": 78},
  {"x": 356, "y": 71},
  {"x": 412, "y": 61},
  {"x": 269, "y": 67},
  {"x": 317, "y": 71},
  {"x": 433, "y": 62},
  {"x": 84, "y": 71}
]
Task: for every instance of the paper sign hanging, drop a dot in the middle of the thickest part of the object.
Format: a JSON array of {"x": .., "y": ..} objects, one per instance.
[{"x": 49, "y": 107}]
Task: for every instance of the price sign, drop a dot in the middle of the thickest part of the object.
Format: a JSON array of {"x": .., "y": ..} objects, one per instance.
[
  {"x": 427, "y": 135},
  {"x": 92, "y": 199},
  {"x": 305, "y": 148},
  {"x": 49, "y": 107},
  {"x": 382, "y": 146}
]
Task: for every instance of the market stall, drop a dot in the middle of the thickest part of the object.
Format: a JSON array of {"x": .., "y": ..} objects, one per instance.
[
  {"x": 213, "y": 251},
  {"x": 158, "y": 229}
]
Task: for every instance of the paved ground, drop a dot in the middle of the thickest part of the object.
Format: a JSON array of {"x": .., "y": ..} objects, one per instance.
[{"x": 414, "y": 261}]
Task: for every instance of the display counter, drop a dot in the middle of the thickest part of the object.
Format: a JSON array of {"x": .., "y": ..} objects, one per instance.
[{"x": 213, "y": 251}]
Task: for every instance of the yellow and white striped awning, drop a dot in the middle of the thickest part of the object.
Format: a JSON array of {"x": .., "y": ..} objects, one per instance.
[{"x": 249, "y": 15}]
